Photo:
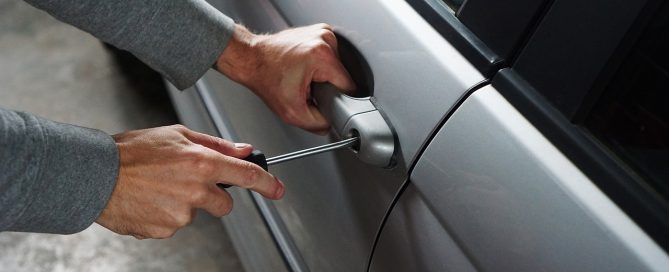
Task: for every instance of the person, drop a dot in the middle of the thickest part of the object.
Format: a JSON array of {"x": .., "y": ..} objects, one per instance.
[{"x": 60, "y": 178}]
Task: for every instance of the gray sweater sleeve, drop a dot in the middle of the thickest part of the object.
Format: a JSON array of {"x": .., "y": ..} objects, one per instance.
[
  {"x": 54, "y": 177},
  {"x": 57, "y": 178},
  {"x": 181, "y": 39}
]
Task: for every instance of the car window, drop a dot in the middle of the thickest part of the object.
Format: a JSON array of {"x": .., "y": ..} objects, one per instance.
[
  {"x": 592, "y": 77},
  {"x": 632, "y": 114},
  {"x": 486, "y": 32}
]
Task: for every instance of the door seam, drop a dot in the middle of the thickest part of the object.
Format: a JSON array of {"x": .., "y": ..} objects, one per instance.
[{"x": 414, "y": 162}]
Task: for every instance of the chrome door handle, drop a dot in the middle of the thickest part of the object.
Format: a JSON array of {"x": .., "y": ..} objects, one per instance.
[{"x": 352, "y": 116}]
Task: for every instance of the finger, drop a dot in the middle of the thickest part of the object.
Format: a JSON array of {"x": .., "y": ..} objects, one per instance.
[
  {"x": 138, "y": 236},
  {"x": 318, "y": 124},
  {"x": 323, "y": 26},
  {"x": 247, "y": 175},
  {"x": 237, "y": 150},
  {"x": 333, "y": 71},
  {"x": 218, "y": 202},
  {"x": 160, "y": 232},
  {"x": 331, "y": 39},
  {"x": 303, "y": 114},
  {"x": 308, "y": 118}
]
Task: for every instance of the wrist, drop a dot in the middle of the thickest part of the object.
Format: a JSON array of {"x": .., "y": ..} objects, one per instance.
[{"x": 240, "y": 59}]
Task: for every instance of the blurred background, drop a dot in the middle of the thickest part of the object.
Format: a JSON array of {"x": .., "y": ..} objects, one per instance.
[{"x": 61, "y": 73}]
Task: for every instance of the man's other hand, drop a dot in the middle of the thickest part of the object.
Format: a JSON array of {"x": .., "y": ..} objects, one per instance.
[
  {"x": 280, "y": 67},
  {"x": 167, "y": 173}
]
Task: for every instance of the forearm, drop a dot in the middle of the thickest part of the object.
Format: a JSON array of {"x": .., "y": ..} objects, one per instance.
[
  {"x": 180, "y": 39},
  {"x": 54, "y": 178}
]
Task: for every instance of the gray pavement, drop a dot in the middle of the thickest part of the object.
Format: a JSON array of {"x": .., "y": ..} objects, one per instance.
[{"x": 58, "y": 72}]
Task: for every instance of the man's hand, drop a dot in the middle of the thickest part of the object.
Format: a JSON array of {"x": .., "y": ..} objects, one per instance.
[
  {"x": 279, "y": 68},
  {"x": 168, "y": 172}
]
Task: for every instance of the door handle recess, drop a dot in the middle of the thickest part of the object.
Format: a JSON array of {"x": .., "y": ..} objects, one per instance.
[{"x": 352, "y": 116}]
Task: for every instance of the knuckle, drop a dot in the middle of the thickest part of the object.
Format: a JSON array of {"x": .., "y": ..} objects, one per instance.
[
  {"x": 179, "y": 127},
  {"x": 201, "y": 163},
  {"x": 321, "y": 49},
  {"x": 318, "y": 48},
  {"x": 198, "y": 196},
  {"x": 324, "y": 25},
  {"x": 252, "y": 173},
  {"x": 327, "y": 34},
  {"x": 183, "y": 219},
  {"x": 182, "y": 142}
]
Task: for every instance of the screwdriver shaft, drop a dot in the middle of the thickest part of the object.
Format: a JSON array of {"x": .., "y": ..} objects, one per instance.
[{"x": 312, "y": 151}]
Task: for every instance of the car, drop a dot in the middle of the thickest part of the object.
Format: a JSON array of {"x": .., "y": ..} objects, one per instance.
[{"x": 494, "y": 135}]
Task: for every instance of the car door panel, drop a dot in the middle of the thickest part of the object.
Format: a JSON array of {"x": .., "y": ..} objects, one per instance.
[
  {"x": 334, "y": 203},
  {"x": 490, "y": 192},
  {"x": 418, "y": 75},
  {"x": 491, "y": 183},
  {"x": 318, "y": 183},
  {"x": 245, "y": 224},
  {"x": 328, "y": 200}
]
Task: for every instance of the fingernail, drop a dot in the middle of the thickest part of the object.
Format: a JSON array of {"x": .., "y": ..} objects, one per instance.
[
  {"x": 241, "y": 145},
  {"x": 280, "y": 190}
]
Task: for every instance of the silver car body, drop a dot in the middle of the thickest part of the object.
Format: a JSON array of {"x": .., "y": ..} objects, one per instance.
[{"x": 488, "y": 193}]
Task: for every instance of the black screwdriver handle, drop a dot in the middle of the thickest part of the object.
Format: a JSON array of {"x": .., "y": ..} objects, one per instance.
[{"x": 257, "y": 158}]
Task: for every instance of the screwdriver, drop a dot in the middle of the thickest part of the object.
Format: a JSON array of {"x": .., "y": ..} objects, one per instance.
[{"x": 257, "y": 157}]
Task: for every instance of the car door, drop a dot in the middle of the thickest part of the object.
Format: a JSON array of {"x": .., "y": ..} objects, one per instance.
[
  {"x": 559, "y": 164},
  {"x": 334, "y": 203}
]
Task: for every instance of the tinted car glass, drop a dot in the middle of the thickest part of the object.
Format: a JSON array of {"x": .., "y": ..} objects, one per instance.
[
  {"x": 473, "y": 27},
  {"x": 581, "y": 80},
  {"x": 632, "y": 115}
]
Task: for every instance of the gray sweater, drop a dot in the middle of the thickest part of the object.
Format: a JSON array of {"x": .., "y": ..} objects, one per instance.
[{"x": 57, "y": 178}]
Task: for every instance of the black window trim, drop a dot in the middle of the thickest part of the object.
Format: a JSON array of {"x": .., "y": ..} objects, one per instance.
[
  {"x": 611, "y": 175},
  {"x": 439, "y": 15},
  {"x": 452, "y": 25},
  {"x": 600, "y": 164},
  {"x": 604, "y": 167}
]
